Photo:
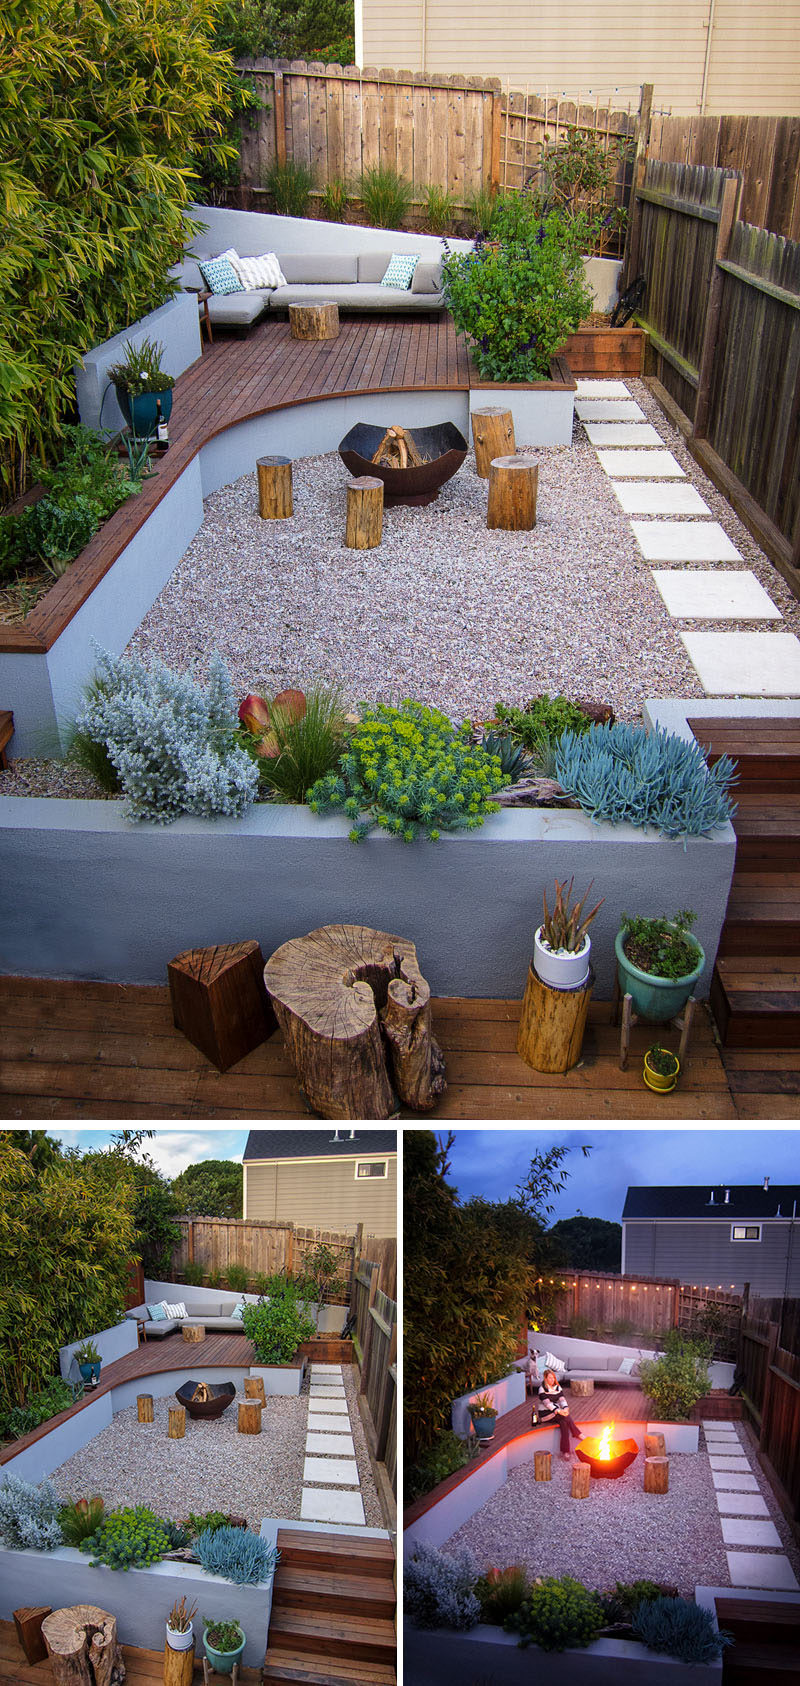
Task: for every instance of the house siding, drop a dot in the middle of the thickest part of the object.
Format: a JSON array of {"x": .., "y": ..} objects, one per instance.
[
  {"x": 703, "y": 1253},
  {"x": 323, "y": 1193}
]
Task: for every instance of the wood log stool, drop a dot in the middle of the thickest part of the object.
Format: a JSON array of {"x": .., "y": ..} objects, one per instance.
[
  {"x": 581, "y": 1480},
  {"x": 144, "y": 1407},
  {"x": 176, "y": 1428},
  {"x": 656, "y": 1475},
  {"x": 542, "y": 1466},
  {"x": 513, "y": 487},
  {"x": 318, "y": 321},
  {"x": 654, "y": 1446},
  {"x": 492, "y": 436},
  {"x": 581, "y": 1388},
  {"x": 364, "y": 523},
  {"x": 274, "y": 476},
  {"x": 254, "y": 1388},
  {"x": 82, "y": 1645},
  {"x": 193, "y": 1333},
  {"x": 552, "y": 1023},
  {"x": 178, "y": 1666},
  {"x": 219, "y": 1000},
  {"x": 355, "y": 1013},
  {"x": 250, "y": 1416},
  {"x": 28, "y": 1623}
]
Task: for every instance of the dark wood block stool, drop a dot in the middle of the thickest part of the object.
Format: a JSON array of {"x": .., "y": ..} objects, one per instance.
[{"x": 220, "y": 1002}]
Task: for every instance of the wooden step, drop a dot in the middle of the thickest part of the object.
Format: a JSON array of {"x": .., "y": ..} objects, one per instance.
[
  {"x": 763, "y": 914},
  {"x": 369, "y": 1639},
  {"x": 749, "y": 1665},
  {"x": 757, "y": 1620},
  {"x": 767, "y": 827},
  {"x": 318, "y": 1589},
  {"x": 767, "y": 751},
  {"x": 340, "y": 1553},
  {"x": 755, "y": 1000},
  {"x": 323, "y": 1671}
]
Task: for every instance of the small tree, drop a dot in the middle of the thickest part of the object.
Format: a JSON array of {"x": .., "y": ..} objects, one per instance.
[
  {"x": 679, "y": 1378},
  {"x": 518, "y": 297},
  {"x": 212, "y": 1188}
]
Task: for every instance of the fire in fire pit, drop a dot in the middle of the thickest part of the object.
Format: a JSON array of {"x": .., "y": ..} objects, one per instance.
[{"x": 605, "y": 1456}]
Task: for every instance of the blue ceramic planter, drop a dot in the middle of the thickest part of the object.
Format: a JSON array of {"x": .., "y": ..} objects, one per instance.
[
  {"x": 656, "y": 999},
  {"x": 141, "y": 412},
  {"x": 90, "y": 1372},
  {"x": 222, "y": 1661}
]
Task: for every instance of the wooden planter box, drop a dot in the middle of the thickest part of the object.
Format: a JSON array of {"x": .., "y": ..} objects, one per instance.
[
  {"x": 605, "y": 351},
  {"x": 327, "y": 1349},
  {"x": 718, "y": 1406}
]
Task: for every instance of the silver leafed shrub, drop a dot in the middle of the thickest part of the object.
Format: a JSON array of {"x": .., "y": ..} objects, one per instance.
[
  {"x": 29, "y": 1515},
  {"x": 622, "y": 772},
  {"x": 440, "y": 1589}
]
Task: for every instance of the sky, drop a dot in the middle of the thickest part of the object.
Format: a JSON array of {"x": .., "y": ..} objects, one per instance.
[
  {"x": 492, "y": 1162},
  {"x": 170, "y": 1150}
]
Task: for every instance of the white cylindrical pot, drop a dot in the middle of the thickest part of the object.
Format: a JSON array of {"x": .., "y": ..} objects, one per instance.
[
  {"x": 180, "y": 1641},
  {"x": 559, "y": 967}
]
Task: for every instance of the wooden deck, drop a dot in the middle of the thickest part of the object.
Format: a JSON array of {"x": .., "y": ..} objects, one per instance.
[
  {"x": 102, "y": 1050},
  {"x": 142, "y": 1668}
]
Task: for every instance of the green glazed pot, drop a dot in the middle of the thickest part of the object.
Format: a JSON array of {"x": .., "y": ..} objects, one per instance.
[
  {"x": 656, "y": 999},
  {"x": 222, "y": 1661},
  {"x": 140, "y": 411}
]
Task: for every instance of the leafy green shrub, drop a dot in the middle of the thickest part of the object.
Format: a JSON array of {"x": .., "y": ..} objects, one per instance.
[
  {"x": 623, "y": 773},
  {"x": 237, "y": 1278},
  {"x": 129, "y": 1538},
  {"x": 55, "y": 533},
  {"x": 502, "y": 1592},
  {"x": 192, "y": 1275},
  {"x": 206, "y": 1524},
  {"x": 411, "y": 772},
  {"x": 439, "y": 1588},
  {"x": 542, "y": 717},
  {"x": 333, "y": 200},
  {"x": 29, "y": 1515},
  {"x": 290, "y": 184},
  {"x": 236, "y": 1554},
  {"x": 278, "y": 1326},
  {"x": 679, "y": 1628},
  {"x": 85, "y": 467},
  {"x": 80, "y": 1519},
  {"x": 676, "y": 1380},
  {"x": 664, "y": 947},
  {"x": 308, "y": 747},
  {"x": 517, "y": 302},
  {"x": 579, "y": 177},
  {"x": 557, "y": 1614},
  {"x": 13, "y": 550},
  {"x": 447, "y": 1454},
  {"x": 386, "y": 196},
  {"x": 619, "y": 1605},
  {"x": 439, "y": 206},
  {"x": 57, "y": 1396}
]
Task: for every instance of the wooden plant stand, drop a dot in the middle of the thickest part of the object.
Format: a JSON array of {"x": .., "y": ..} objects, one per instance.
[
  {"x": 193, "y": 1333},
  {"x": 349, "y": 1053},
  {"x": 219, "y": 1000},
  {"x": 314, "y": 321},
  {"x": 364, "y": 524},
  {"x": 552, "y": 1023},
  {"x": 274, "y": 476},
  {"x": 622, "y": 1013},
  {"x": 513, "y": 487},
  {"x": 178, "y": 1666},
  {"x": 208, "y": 1671},
  {"x": 492, "y": 436},
  {"x": 82, "y": 1645},
  {"x": 28, "y": 1623},
  {"x": 250, "y": 1416},
  {"x": 581, "y": 1388}
]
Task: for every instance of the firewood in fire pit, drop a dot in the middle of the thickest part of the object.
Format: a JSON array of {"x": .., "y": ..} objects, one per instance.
[
  {"x": 397, "y": 450},
  {"x": 202, "y": 1393}
]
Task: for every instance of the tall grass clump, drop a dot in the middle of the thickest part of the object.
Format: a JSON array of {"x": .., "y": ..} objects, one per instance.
[
  {"x": 291, "y": 185},
  {"x": 386, "y": 196},
  {"x": 333, "y": 200},
  {"x": 439, "y": 206}
]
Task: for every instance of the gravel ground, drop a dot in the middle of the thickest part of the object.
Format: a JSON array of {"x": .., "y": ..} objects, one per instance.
[{"x": 213, "y": 1467}]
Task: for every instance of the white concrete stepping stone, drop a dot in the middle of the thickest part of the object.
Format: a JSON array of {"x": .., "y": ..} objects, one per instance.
[
  {"x": 341, "y": 1472},
  {"x": 683, "y": 541},
  {"x": 329, "y": 1402},
  {"x": 331, "y": 1445},
  {"x": 728, "y": 1462},
  {"x": 741, "y": 1504},
  {"x": 711, "y": 1426},
  {"x": 320, "y": 1423},
  {"x": 746, "y": 664},
  {"x": 320, "y": 1505},
  {"x": 641, "y": 465},
  {"x": 768, "y": 1570},
  {"x": 608, "y": 409},
  {"x": 744, "y": 1530},
  {"x": 731, "y": 1481},
  {"x": 318, "y": 1368},
  {"x": 622, "y": 433},
  {"x": 587, "y": 387},
  {"x": 659, "y": 497},
  {"x": 705, "y": 594}
]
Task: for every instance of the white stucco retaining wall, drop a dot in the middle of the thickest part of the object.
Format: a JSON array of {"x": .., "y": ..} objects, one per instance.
[
  {"x": 110, "y": 1343},
  {"x": 440, "y": 1657},
  {"x": 506, "y": 1394},
  {"x": 174, "y": 325},
  {"x": 34, "y": 1462},
  {"x": 564, "y": 1346}
]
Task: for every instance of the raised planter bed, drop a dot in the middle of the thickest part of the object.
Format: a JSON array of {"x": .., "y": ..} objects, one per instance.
[
  {"x": 327, "y": 1350},
  {"x": 605, "y": 351},
  {"x": 441, "y": 1657},
  {"x": 542, "y": 410},
  {"x": 718, "y": 1406}
]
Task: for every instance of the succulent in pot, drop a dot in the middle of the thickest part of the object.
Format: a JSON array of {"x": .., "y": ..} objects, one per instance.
[
  {"x": 658, "y": 963},
  {"x": 561, "y": 945},
  {"x": 180, "y": 1632},
  {"x": 483, "y": 1412},
  {"x": 661, "y": 1068},
  {"x": 88, "y": 1360},
  {"x": 143, "y": 388},
  {"x": 224, "y": 1643}
]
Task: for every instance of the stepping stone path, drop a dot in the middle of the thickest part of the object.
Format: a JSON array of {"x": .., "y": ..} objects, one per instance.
[
  {"x": 330, "y": 1472},
  {"x": 643, "y": 474},
  {"x": 743, "y": 1514}
]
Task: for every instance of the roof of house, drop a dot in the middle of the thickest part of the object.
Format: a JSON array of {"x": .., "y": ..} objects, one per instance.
[
  {"x": 744, "y": 1201},
  {"x": 330, "y": 1143}
]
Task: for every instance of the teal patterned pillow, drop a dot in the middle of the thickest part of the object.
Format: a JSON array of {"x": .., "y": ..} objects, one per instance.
[
  {"x": 400, "y": 271},
  {"x": 219, "y": 275}
]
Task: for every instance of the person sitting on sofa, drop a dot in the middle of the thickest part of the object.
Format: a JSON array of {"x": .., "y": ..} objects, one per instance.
[{"x": 553, "y": 1408}]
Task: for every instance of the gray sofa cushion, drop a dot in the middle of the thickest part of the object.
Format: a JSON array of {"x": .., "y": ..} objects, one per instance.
[
  {"x": 360, "y": 295},
  {"x": 372, "y": 266},
  {"x": 427, "y": 277},
  {"x": 316, "y": 267},
  {"x": 237, "y": 310}
]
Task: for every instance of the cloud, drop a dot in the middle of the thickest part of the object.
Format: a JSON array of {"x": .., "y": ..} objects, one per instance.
[{"x": 170, "y": 1150}]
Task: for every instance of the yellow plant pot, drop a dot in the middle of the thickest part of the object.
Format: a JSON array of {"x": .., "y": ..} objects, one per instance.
[{"x": 656, "y": 1081}]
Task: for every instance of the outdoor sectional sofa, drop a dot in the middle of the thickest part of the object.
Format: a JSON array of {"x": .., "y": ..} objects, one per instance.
[
  {"x": 352, "y": 280},
  {"x": 601, "y": 1368},
  {"x": 217, "y": 1314}
]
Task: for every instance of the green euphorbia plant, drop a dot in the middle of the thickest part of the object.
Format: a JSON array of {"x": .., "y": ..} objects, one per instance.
[{"x": 518, "y": 297}]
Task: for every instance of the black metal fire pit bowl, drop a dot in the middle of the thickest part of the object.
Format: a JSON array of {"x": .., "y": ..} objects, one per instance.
[
  {"x": 221, "y": 1396},
  {"x": 443, "y": 446}
]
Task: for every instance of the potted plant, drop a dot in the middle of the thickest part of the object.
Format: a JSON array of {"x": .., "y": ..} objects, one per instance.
[
  {"x": 661, "y": 1069},
  {"x": 143, "y": 388},
  {"x": 224, "y": 1643},
  {"x": 180, "y": 1632},
  {"x": 658, "y": 963},
  {"x": 88, "y": 1360},
  {"x": 484, "y": 1415},
  {"x": 561, "y": 945}
]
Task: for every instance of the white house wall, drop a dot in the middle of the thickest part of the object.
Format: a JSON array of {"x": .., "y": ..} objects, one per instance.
[{"x": 702, "y": 1252}]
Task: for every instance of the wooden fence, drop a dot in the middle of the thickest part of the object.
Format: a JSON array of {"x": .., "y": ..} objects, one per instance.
[
  {"x": 769, "y": 1369},
  {"x": 764, "y": 150},
  {"x": 611, "y": 1304},
  {"x": 722, "y": 310},
  {"x": 376, "y": 1338},
  {"x": 263, "y": 1248}
]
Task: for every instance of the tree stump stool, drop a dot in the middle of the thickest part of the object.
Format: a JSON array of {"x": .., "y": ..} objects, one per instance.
[
  {"x": 364, "y": 523},
  {"x": 552, "y": 1023},
  {"x": 274, "y": 488},
  {"x": 654, "y": 1446},
  {"x": 250, "y": 1416},
  {"x": 355, "y": 1013},
  {"x": 176, "y": 1428},
  {"x": 193, "y": 1333},
  {"x": 492, "y": 436},
  {"x": 581, "y": 1388},
  {"x": 581, "y": 1479},
  {"x": 144, "y": 1407},
  {"x": 318, "y": 321},
  {"x": 178, "y": 1666},
  {"x": 28, "y": 1623},
  {"x": 656, "y": 1475},
  {"x": 513, "y": 485},
  {"x": 82, "y": 1646},
  {"x": 254, "y": 1388},
  {"x": 542, "y": 1466},
  {"x": 219, "y": 1000}
]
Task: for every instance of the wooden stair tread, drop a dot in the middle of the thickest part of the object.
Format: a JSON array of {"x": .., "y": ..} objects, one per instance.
[
  {"x": 300, "y": 1666},
  {"x": 762, "y": 1660},
  {"x": 376, "y": 1629},
  {"x": 332, "y": 1551},
  {"x": 762, "y": 1612},
  {"x": 326, "y": 1588}
]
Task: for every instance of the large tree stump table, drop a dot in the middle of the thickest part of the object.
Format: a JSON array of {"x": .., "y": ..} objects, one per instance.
[
  {"x": 318, "y": 321},
  {"x": 219, "y": 1001},
  {"x": 82, "y": 1646},
  {"x": 355, "y": 1012}
]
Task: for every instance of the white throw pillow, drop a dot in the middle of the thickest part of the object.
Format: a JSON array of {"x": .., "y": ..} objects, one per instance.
[
  {"x": 548, "y": 1361},
  {"x": 255, "y": 273},
  {"x": 174, "y": 1311},
  {"x": 626, "y": 1367}
]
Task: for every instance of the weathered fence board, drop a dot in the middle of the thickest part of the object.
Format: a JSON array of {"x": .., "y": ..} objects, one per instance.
[
  {"x": 376, "y": 1339},
  {"x": 769, "y": 1368},
  {"x": 765, "y": 150},
  {"x": 609, "y": 1303},
  {"x": 263, "y": 1248}
]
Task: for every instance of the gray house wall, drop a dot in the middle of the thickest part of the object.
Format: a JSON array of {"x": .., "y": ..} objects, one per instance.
[{"x": 702, "y": 1252}]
